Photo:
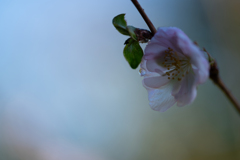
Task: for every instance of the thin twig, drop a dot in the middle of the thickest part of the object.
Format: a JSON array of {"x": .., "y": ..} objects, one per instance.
[
  {"x": 145, "y": 17},
  {"x": 214, "y": 76}
]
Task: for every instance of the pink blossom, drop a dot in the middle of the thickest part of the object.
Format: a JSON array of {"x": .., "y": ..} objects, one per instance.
[{"x": 172, "y": 67}]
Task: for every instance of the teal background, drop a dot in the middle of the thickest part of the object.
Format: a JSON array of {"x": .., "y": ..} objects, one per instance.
[{"x": 66, "y": 91}]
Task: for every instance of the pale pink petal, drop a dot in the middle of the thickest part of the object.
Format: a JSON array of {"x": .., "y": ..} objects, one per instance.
[
  {"x": 144, "y": 71},
  {"x": 153, "y": 50},
  {"x": 176, "y": 87},
  {"x": 143, "y": 64},
  {"x": 154, "y": 65},
  {"x": 168, "y": 36},
  {"x": 155, "y": 82},
  {"x": 187, "y": 99},
  {"x": 161, "y": 99},
  {"x": 202, "y": 72},
  {"x": 196, "y": 55},
  {"x": 188, "y": 91}
]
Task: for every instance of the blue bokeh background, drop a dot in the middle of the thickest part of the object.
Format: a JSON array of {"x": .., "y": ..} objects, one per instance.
[{"x": 66, "y": 91}]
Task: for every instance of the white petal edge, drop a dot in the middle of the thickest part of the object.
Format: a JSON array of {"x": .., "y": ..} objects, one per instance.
[{"x": 161, "y": 99}]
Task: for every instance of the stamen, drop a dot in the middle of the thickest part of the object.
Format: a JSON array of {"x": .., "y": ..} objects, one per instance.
[{"x": 177, "y": 67}]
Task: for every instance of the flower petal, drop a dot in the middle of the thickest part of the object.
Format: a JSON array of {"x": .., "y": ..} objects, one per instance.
[
  {"x": 188, "y": 91},
  {"x": 202, "y": 72},
  {"x": 176, "y": 88},
  {"x": 168, "y": 36},
  {"x": 161, "y": 99},
  {"x": 153, "y": 65},
  {"x": 196, "y": 56},
  {"x": 147, "y": 73},
  {"x": 155, "y": 82},
  {"x": 154, "y": 49}
]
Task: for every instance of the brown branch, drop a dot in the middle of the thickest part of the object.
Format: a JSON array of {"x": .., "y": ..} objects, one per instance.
[
  {"x": 214, "y": 76},
  {"x": 145, "y": 17}
]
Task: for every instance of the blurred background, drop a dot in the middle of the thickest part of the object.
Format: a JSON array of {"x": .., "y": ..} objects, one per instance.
[{"x": 67, "y": 93}]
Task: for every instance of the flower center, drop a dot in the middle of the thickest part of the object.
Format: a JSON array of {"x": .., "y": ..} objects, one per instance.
[{"x": 177, "y": 66}]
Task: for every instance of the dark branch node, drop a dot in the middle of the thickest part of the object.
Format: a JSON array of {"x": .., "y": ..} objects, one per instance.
[
  {"x": 143, "y": 35},
  {"x": 214, "y": 72}
]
